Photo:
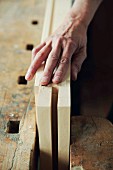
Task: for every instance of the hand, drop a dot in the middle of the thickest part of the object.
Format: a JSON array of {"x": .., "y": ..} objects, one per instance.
[{"x": 67, "y": 45}]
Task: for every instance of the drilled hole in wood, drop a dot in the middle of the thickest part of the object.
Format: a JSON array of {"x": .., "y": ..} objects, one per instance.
[
  {"x": 29, "y": 47},
  {"x": 13, "y": 126},
  {"x": 34, "y": 22},
  {"x": 22, "y": 80}
]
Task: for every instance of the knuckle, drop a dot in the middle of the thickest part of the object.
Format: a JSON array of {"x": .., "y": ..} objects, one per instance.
[
  {"x": 70, "y": 41},
  {"x": 72, "y": 45},
  {"x": 54, "y": 56},
  {"x": 65, "y": 60}
]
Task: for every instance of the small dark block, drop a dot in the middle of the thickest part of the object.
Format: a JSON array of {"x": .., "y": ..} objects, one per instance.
[
  {"x": 29, "y": 47},
  {"x": 22, "y": 80},
  {"x": 13, "y": 126},
  {"x": 34, "y": 22}
]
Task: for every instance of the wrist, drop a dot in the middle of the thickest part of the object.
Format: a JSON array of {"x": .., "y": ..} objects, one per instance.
[
  {"x": 76, "y": 20},
  {"x": 84, "y": 10}
]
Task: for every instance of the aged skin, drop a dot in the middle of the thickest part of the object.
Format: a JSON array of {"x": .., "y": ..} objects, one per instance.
[{"x": 66, "y": 45}]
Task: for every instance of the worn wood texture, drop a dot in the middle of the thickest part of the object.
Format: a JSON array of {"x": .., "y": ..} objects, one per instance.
[
  {"x": 16, "y": 104},
  {"x": 17, "y": 144},
  {"x": 91, "y": 143}
]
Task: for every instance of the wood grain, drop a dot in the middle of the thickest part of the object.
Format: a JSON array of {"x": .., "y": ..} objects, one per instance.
[
  {"x": 53, "y": 15},
  {"x": 16, "y": 31},
  {"x": 91, "y": 143}
]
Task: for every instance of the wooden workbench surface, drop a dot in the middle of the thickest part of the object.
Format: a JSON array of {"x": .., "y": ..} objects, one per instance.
[
  {"x": 91, "y": 139},
  {"x": 91, "y": 143},
  {"x": 16, "y": 103},
  {"x": 17, "y": 31}
]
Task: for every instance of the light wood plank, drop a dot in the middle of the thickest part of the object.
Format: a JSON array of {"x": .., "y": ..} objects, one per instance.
[
  {"x": 48, "y": 20},
  {"x": 77, "y": 168},
  {"x": 43, "y": 100},
  {"x": 44, "y": 121},
  {"x": 60, "y": 10},
  {"x": 63, "y": 125},
  {"x": 55, "y": 13},
  {"x": 63, "y": 111}
]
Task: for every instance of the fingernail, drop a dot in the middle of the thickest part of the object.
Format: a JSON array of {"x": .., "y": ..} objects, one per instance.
[
  {"x": 28, "y": 76},
  {"x": 56, "y": 79},
  {"x": 44, "y": 80}
]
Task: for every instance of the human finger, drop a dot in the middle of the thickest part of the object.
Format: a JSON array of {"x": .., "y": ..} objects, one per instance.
[
  {"x": 64, "y": 63},
  {"x": 36, "y": 50},
  {"x": 51, "y": 62},
  {"x": 39, "y": 58},
  {"x": 77, "y": 61}
]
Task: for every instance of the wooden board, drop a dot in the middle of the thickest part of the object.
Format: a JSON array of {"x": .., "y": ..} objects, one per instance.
[
  {"x": 44, "y": 121},
  {"x": 54, "y": 14},
  {"x": 64, "y": 103},
  {"x": 43, "y": 102},
  {"x": 64, "y": 126}
]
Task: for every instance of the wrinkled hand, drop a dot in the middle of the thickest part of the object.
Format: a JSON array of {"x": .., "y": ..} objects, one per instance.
[{"x": 67, "y": 45}]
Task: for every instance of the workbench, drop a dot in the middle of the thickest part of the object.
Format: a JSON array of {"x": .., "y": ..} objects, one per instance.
[{"x": 91, "y": 146}]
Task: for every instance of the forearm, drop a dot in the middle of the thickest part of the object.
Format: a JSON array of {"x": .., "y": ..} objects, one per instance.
[{"x": 84, "y": 10}]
